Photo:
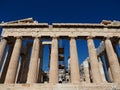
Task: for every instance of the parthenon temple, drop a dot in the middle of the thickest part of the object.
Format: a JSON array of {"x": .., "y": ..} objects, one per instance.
[{"x": 33, "y": 57}]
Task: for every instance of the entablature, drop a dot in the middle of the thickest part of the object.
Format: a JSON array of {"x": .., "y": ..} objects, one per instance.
[
  {"x": 28, "y": 27},
  {"x": 61, "y": 32}
]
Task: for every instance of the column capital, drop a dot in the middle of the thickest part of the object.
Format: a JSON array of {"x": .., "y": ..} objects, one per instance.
[
  {"x": 37, "y": 37},
  {"x": 90, "y": 37},
  {"x": 18, "y": 37},
  {"x": 108, "y": 37},
  {"x": 73, "y": 36},
  {"x": 55, "y": 37},
  {"x": 3, "y": 38}
]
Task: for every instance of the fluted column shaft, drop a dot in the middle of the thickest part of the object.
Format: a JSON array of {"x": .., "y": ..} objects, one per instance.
[
  {"x": 25, "y": 68},
  {"x": 53, "y": 75},
  {"x": 110, "y": 75},
  {"x": 3, "y": 44},
  {"x": 93, "y": 61},
  {"x": 74, "y": 65},
  {"x": 86, "y": 71},
  {"x": 12, "y": 68},
  {"x": 40, "y": 63},
  {"x": 113, "y": 61},
  {"x": 33, "y": 67},
  {"x": 102, "y": 70},
  {"x": 11, "y": 46}
]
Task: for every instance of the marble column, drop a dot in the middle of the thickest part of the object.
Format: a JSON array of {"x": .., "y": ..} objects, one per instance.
[
  {"x": 102, "y": 70},
  {"x": 108, "y": 67},
  {"x": 18, "y": 70},
  {"x": 93, "y": 61},
  {"x": 33, "y": 67},
  {"x": 53, "y": 73},
  {"x": 12, "y": 68},
  {"x": 116, "y": 53},
  {"x": 6, "y": 64},
  {"x": 113, "y": 61},
  {"x": 24, "y": 72},
  {"x": 86, "y": 71},
  {"x": 91, "y": 76},
  {"x": 74, "y": 65},
  {"x": 41, "y": 63},
  {"x": 110, "y": 75},
  {"x": 3, "y": 44},
  {"x": 21, "y": 63}
]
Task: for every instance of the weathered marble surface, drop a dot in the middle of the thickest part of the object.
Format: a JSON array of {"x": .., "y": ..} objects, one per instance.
[{"x": 82, "y": 86}]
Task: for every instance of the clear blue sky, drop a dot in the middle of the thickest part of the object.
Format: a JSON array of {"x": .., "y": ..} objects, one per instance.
[
  {"x": 60, "y": 10},
  {"x": 50, "y": 11}
]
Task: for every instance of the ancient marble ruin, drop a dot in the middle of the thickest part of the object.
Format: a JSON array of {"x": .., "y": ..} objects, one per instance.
[{"x": 21, "y": 64}]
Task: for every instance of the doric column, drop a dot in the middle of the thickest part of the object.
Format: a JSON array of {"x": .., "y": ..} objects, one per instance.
[
  {"x": 74, "y": 65},
  {"x": 12, "y": 68},
  {"x": 53, "y": 75},
  {"x": 41, "y": 63},
  {"x": 24, "y": 72},
  {"x": 21, "y": 63},
  {"x": 102, "y": 70},
  {"x": 6, "y": 64},
  {"x": 91, "y": 76},
  {"x": 106, "y": 62},
  {"x": 113, "y": 61},
  {"x": 93, "y": 61},
  {"x": 3, "y": 44},
  {"x": 18, "y": 70},
  {"x": 116, "y": 53},
  {"x": 86, "y": 71},
  {"x": 110, "y": 74},
  {"x": 33, "y": 67}
]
